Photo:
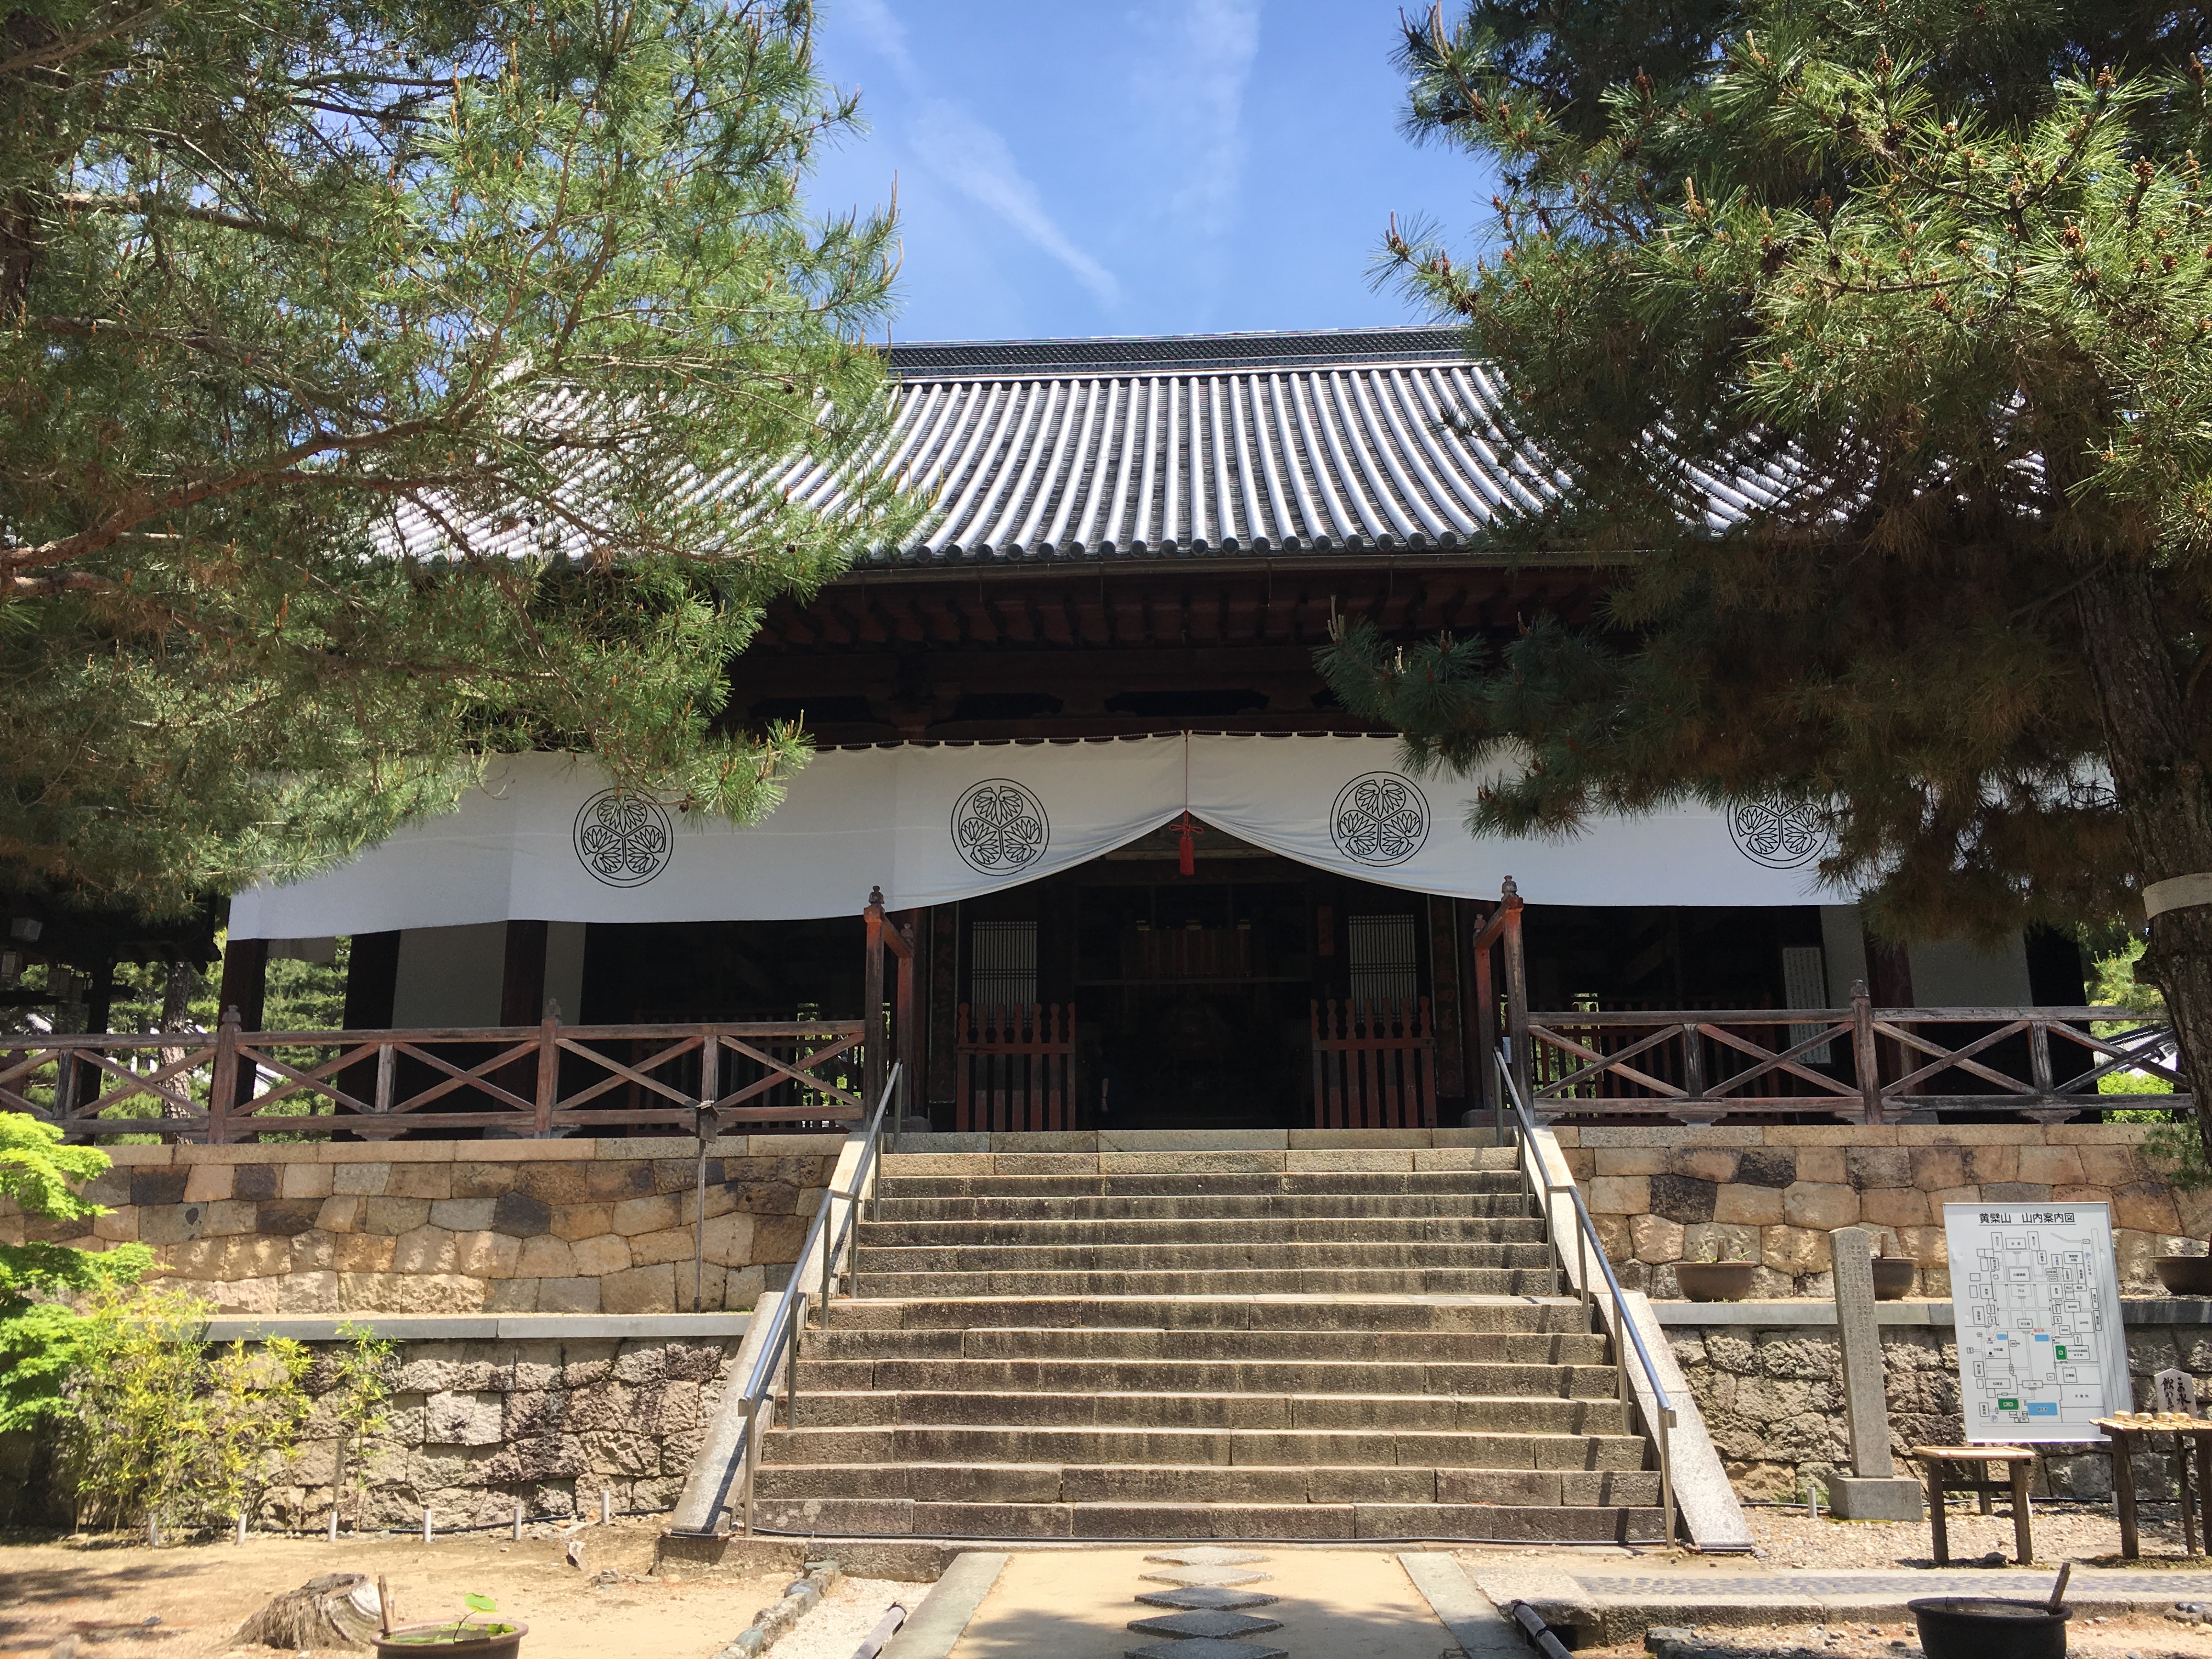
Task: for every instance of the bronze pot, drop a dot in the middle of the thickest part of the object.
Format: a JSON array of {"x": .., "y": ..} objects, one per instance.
[{"x": 1715, "y": 1281}]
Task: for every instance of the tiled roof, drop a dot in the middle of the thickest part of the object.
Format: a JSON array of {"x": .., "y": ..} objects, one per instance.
[{"x": 1197, "y": 445}]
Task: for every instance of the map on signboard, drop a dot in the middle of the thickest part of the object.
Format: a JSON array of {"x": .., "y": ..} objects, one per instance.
[{"x": 2036, "y": 1297}]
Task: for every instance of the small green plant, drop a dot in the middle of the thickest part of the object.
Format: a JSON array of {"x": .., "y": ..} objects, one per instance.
[
  {"x": 170, "y": 1432},
  {"x": 1725, "y": 1251},
  {"x": 462, "y": 1629},
  {"x": 40, "y": 1333},
  {"x": 361, "y": 1384}
]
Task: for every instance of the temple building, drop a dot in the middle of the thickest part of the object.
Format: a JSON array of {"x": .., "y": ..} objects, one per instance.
[{"x": 1073, "y": 729}]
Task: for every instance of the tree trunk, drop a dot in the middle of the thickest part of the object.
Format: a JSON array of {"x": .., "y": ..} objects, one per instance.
[
  {"x": 2149, "y": 743},
  {"x": 176, "y": 1016}
]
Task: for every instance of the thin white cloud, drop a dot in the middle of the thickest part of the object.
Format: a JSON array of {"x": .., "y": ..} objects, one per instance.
[
  {"x": 971, "y": 157},
  {"x": 1196, "y": 81},
  {"x": 975, "y": 162}
]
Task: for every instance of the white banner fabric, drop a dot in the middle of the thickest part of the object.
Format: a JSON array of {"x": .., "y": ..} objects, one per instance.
[{"x": 546, "y": 840}]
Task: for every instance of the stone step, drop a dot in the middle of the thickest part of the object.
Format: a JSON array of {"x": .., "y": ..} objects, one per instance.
[
  {"x": 1222, "y": 1252},
  {"x": 1079, "y": 1379},
  {"x": 1271, "y": 1281},
  {"x": 1199, "y": 1160},
  {"x": 1516, "y": 1313},
  {"x": 898, "y": 1233},
  {"x": 1178, "y": 1184},
  {"x": 971, "y": 1442},
  {"x": 829, "y": 1408},
  {"x": 1473, "y": 1522},
  {"x": 1125, "y": 1342},
  {"x": 1204, "y": 1207},
  {"x": 1154, "y": 1483}
]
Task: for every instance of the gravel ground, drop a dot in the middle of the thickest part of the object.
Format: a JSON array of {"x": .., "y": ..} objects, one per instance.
[
  {"x": 2080, "y": 1533},
  {"x": 846, "y": 1615}
]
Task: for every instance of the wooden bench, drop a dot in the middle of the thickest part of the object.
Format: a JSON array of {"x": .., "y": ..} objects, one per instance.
[{"x": 1940, "y": 1462}]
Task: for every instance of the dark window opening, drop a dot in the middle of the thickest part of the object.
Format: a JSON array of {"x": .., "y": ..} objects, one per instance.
[{"x": 1178, "y": 704}]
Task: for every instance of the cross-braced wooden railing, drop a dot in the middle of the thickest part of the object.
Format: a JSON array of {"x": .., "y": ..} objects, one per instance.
[
  {"x": 1862, "y": 1063},
  {"x": 1015, "y": 1068},
  {"x": 1374, "y": 1064},
  {"x": 540, "y": 1080}
]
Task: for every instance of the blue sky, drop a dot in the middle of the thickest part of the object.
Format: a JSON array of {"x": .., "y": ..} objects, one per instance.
[{"x": 1133, "y": 166}]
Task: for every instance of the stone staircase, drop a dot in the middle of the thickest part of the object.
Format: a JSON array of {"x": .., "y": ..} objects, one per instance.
[{"x": 1348, "y": 1342}]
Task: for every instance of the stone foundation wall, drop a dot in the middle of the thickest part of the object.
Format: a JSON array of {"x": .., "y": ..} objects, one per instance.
[
  {"x": 472, "y": 1427},
  {"x": 1772, "y": 1194},
  {"x": 459, "y": 1226},
  {"x": 1772, "y": 1400}
]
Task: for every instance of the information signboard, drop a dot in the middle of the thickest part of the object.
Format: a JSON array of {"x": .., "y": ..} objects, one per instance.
[{"x": 2036, "y": 1295}]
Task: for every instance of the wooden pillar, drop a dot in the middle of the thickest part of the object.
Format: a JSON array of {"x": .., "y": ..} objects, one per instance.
[
  {"x": 1889, "y": 982},
  {"x": 522, "y": 979},
  {"x": 371, "y": 981},
  {"x": 1451, "y": 1077},
  {"x": 245, "y": 989},
  {"x": 943, "y": 1061}
]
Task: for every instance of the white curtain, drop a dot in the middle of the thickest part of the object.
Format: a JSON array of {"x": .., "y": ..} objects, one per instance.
[{"x": 546, "y": 840}]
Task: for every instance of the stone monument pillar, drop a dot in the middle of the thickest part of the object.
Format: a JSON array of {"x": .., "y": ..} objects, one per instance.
[{"x": 1874, "y": 1491}]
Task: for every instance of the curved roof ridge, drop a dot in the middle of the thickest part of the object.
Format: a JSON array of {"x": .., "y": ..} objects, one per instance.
[{"x": 1290, "y": 348}]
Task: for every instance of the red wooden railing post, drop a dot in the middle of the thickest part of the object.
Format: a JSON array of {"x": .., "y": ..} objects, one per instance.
[
  {"x": 1516, "y": 991},
  {"x": 874, "y": 1066},
  {"x": 909, "y": 1025}
]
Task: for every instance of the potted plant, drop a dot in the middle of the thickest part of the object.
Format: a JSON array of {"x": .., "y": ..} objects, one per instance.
[
  {"x": 1893, "y": 1275},
  {"x": 470, "y": 1635},
  {"x": 1715, "y": 1277},
  {"x": 2183, "y": 1275}
]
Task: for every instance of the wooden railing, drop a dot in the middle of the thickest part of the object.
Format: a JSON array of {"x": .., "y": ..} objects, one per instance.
[
  {"x": 1694, "y": 1066},
  {"x": 1374, "y": 1066},
  {"x": 533, "y": 1081},
  {"x": 1015, "y": 1068}
]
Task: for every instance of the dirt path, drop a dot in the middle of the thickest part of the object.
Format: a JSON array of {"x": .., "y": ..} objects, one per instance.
[{"x": 202, "y": 1592}]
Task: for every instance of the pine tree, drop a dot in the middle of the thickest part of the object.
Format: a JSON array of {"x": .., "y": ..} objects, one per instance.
[
  {"x": 1872, "y": 347},
  {"x": 389, "y": 384}
]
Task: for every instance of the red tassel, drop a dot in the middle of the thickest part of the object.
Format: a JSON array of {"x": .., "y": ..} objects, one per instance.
[{"x": 1186, "y": 848}]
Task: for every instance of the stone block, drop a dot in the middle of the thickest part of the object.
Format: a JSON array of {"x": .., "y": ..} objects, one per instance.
[
  {"x": 672, "y": 1244},
  {"x": 1655, "y": 1238},
  {"x": 1752, "y": 1206},
  {"x": 1895, "y": 1498},
  {"x": 1795, "y": 1250},
  {"x": 729, "y": 1239},
  {"x": 423, "y": 1250},
  {"x": 394, "y": 1216},
  {"x": 287, "y": 1218},
  {"x": 639, "y": 1289},
  {"x": 484, "y": 1180},
  {"x": 365, "y": 1253},
  {"x": 569, "y": 1296},
  {"x": 245, "y": 1295},
  {"x": 2146, "y": 1207},
  {"x": 1682, "y": 1198},
  {"x": 461, "y": 1215},
  {"x": 1895, "y": 1206},
  {"x": 337, "y": 1213},
  {"x": 1705, "y": 1164},
  {"x": 2052, "y": 1166},
  {"x": 314, "y": 1292},
  {"x": 521, "y": 1215},
  {"x": 618, "y": 1178},
  {"x": 158, "y": 1186},
  {"x": 424, "y": 1181},
  {"x": 636, "y": 1216},
  {"x": 2015, "y": 1192},
  {"x": 1985, "y": 1164},
  {"x": 1766, "y": 1166},
  {"x": 1824, "y": 1165},
  {"x": 576, "y": 1221},
  {"x": 1621, "y": 1195},
  {"x": 545, "y": 1257},
  {"x": 313, "y": 1251},
  {"x": 365, "y": 1179},
  {"x": 1819, "y": 1205},
  {"x": 2110, "y": 1166},
  {"x": 462, "y": 1419},
  {"x": 1877, "y": 1166},
  {"x": 304, "y": 1181},
  {"x": 254, "y": 1180},
  {"x": 555, "y": 1184},
  {"x": 598, "y": 1257},
  {"x": 205, "y": 1182},
  {"x": 117, "y": 1226},
  {"x": 1938, "y": 1168},
  {"x": 486, "y": 1254}
]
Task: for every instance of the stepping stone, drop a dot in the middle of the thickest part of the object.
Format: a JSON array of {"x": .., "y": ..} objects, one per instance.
[
  {"x": 1220, "y": 1576},
  {"x": 1208, "y": 1647},
  {"x": 1219, "y": 1625},
  {"x": 1209, "y": 1556},
  {"x": 1206, "y": 1597}
]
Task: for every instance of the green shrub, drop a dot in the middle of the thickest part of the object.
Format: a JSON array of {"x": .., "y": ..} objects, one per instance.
[
  {"x": 170, "y": 1432},
  {"x": 39, "y": 1332}
]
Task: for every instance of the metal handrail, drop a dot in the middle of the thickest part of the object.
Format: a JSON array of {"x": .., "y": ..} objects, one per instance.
[
  {"x": 757, "y": 1401},
  {"x": 1529, "y": 1164}
]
